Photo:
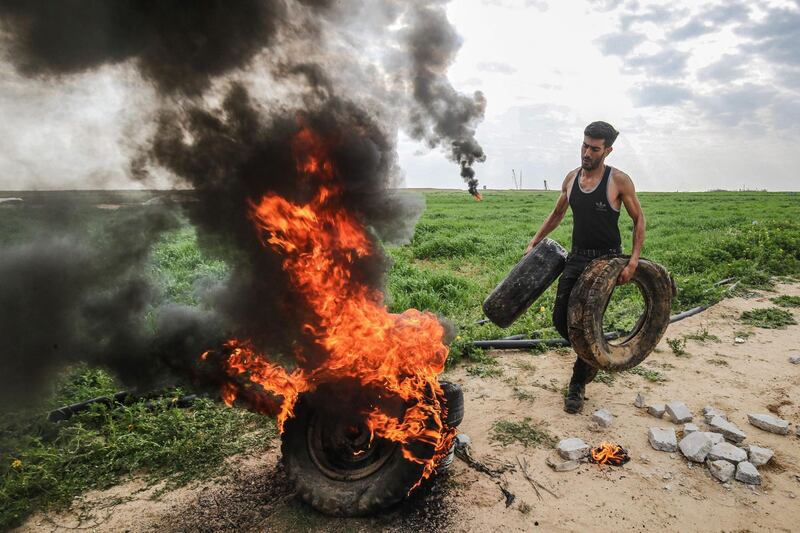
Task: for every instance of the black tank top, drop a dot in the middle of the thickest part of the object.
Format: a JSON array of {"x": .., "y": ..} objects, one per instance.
[{"x": 595, "y": 222}]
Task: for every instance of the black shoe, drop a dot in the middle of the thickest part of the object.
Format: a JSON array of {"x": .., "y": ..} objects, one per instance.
[{"x": 573, "y": 402}]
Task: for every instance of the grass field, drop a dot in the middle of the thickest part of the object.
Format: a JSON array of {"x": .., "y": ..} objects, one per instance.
[{"x": 460, "y": 250}]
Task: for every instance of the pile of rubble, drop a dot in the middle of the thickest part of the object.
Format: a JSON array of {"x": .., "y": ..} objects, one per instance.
[{"x": 720, "y": 446}]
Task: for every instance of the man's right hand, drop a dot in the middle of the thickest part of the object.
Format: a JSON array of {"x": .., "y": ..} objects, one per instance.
[{"x": 531, "y": 246}]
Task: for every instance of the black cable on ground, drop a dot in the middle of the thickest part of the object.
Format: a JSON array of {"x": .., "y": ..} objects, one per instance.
[
  {"x": 120, "y": 398},
  {"x": 509, "y": 344}
]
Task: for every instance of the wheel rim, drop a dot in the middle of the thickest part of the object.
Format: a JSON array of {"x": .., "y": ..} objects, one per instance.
[{"x": 345, "y": 451}]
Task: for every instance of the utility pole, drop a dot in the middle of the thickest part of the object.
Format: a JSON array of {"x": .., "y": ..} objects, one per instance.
[
  {"x": 545, "y": 184},
  {"x": 514, "y": 177}
]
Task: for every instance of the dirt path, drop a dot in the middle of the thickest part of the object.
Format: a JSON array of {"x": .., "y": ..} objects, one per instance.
[{"x": 655, "y": 491}]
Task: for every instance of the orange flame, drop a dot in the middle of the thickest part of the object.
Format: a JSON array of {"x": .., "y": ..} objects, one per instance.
[
  {"x": 609, "y": 453},
  {"x": 401, "y": 354}
]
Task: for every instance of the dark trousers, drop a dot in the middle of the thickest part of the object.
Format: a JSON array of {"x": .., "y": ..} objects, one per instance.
[{"x": 582, "y": 372}]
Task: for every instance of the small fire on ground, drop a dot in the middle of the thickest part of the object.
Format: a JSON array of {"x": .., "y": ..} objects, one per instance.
[{"x": 609, "y": 453}]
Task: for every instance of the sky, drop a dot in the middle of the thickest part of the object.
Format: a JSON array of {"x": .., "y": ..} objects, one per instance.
[{"x": 706, "y": 95}]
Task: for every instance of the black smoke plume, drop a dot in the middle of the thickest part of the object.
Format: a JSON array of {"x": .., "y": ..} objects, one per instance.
[
  {"x": 178, "y": 46},
  {"x": 242, "y": 152},
  {"x": 444, "y": 116},
  {"x": 67, "y": 298}
]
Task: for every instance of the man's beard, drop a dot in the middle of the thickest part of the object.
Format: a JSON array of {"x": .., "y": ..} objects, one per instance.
[{"x": 593, "y": 164}]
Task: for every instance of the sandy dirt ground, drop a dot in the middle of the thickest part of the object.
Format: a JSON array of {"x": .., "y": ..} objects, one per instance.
[{"x": 654, "y": 491}]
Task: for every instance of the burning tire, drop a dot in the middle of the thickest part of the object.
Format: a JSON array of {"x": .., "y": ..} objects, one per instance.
[
  {"x": 335, "y": 466},
  {"x": 454, "y": 401},
  {"x": 525, "y": 283},
  {"x": 588, "y": 303}
]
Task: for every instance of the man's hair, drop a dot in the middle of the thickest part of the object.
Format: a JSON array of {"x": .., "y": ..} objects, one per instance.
[{"x": 601, "y": 130}]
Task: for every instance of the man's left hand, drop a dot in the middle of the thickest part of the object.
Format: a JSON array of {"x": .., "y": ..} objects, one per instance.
[{"x": 627, "y": 273}]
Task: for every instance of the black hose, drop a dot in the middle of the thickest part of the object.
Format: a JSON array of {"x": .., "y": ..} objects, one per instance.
[
  {"x": 66, "y": 412},
  {"x": 510, "y": 344},
  {"x": 686, "y": 314}
]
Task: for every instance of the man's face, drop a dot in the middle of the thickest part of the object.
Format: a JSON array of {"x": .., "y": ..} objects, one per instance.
[{"x": 593, "y": 153}]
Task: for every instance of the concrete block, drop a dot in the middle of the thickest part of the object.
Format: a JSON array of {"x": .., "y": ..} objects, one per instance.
[
  {"x": 770, "y": 423},
  {"x": 663, "y": 439},
  {"x": 603, "y": 418},
  {"x": 723, "y": 471},
  {"x": 564, "y": 466},
  {"x": 759, "y": 456},
  {"x": 656, "y": 409},
  {"x": 716, "y": 438},
  {"x": 688, "y": 429},
  {"x": 728, "y": 429},
  {"x": 747, "y": 473},
  {"x": 795, "y": 359},
  {"x": 710, "y": 412},
  {"x": 695, "y": 446},
  {"x": 639, "y": 401},
  {"x": 678, "y": 412},
  {"x": 727, "y": 452},
  {"x": 573, "y": 449}
]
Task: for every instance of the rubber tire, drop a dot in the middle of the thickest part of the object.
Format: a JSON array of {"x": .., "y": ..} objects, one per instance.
[
  {"x": 588, "y": 302},
  {"x": 359, "y": 497},
  {"x": 454, "y": 401},
  {"x": 525, "y": 283}
]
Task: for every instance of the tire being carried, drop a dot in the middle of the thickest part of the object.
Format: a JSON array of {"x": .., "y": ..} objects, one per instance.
[
  {"x": 588, "y": 302},
  {"x": 535, "y": 272}
]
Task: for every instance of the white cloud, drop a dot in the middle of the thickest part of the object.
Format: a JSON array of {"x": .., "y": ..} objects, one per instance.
[{"x": 659, "y": 94}]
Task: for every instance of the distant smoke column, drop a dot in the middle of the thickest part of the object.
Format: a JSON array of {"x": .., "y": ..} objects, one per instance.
[
  {"x": 444, "y": 116},
  {"x": 469, "y": 176}
]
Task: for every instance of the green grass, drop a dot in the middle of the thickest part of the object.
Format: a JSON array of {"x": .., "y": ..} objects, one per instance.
[
  {"x": 45, "y": 465},
  {"x": 770, "y": 318},
  {"x": 523, "y": 432},
  {"x": 522, "y": 395},
  {"x": 607, "y": 378},
  {"x": 702, "y": 335},
  {"x": 786, "y": 301},
  {"x": 484, "y": 371},
  {"x": 649, "y": 374},
  {"x": 181, "y": 268},
  {"x": 678, "y": 347}
]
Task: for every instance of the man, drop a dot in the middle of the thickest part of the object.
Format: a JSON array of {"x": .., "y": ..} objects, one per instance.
[{"x": 595, "y": 192}]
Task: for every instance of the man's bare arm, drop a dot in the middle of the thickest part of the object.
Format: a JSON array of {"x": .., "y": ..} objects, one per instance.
[
  {"x": 634, "y": 209},
  {"x": 554, "y": 218}
]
